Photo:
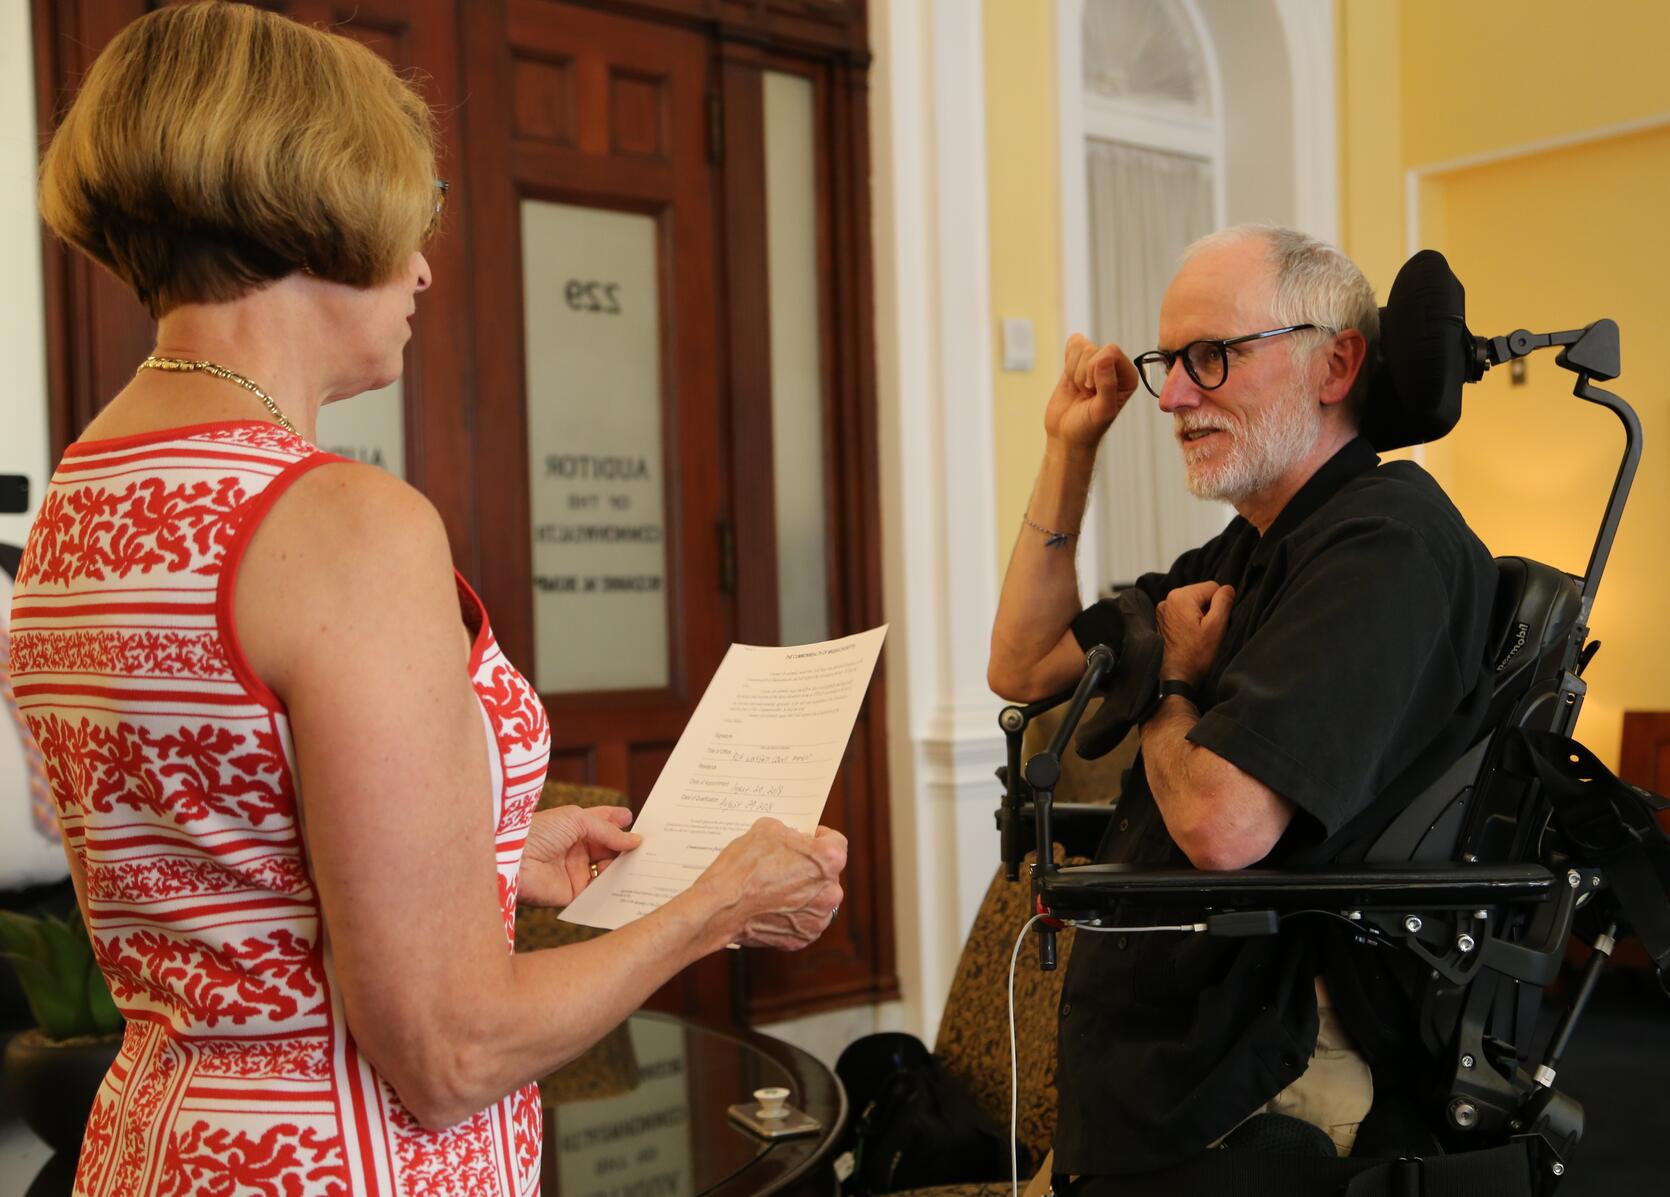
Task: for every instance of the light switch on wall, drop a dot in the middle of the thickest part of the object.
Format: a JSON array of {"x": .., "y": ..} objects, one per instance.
[{"x": 1017, "y": 344}]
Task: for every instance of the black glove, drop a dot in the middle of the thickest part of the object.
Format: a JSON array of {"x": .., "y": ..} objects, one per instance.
[{"x": 1131, "y": 691}]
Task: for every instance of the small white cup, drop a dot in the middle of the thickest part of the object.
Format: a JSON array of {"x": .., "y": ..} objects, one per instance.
[{"x": 773, "y": 1102}]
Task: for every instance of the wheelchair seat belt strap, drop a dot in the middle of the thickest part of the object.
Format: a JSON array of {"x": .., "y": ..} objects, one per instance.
[{"x": 1495, "y": 1172}]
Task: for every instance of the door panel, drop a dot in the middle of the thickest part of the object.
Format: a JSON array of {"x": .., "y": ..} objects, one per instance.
[
  {"x": 630, "y": 100},
  {"x": 601, "y": 373},
  {"x": 424, "y": 417},
  {"x": 596, "y": 457},
  {"x": 648, "y": 111},
  {"x": 806, "y": 525},
  {"x": 97, "y": 333}
]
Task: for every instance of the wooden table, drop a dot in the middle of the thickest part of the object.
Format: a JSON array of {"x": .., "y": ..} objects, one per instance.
[{"x": 644, "y": 1115}]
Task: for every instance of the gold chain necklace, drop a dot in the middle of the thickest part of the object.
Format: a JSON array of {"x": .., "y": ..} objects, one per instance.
[{"x": 186, "y": 365}]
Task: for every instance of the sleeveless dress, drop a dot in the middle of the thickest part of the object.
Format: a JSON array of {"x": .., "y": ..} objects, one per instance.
[{"x": 173, "y": 774}]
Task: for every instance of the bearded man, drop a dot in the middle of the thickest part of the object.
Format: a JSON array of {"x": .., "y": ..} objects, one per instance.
[{"x": 1317, "y": 653}]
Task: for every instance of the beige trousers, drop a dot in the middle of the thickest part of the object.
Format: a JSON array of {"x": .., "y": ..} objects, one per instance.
[
  {"x": 1336, "y": 1089},
  {"x": 1334, "y": 1093}
]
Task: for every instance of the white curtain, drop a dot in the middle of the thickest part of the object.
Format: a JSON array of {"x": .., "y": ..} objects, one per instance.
[{"x": 1145, "y": 207}]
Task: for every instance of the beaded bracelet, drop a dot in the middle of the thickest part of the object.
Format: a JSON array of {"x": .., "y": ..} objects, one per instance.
[{"x": 1053, "y": 539}]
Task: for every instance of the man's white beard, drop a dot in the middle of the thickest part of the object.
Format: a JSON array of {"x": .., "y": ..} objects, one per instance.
[{"x": 1263, "y": 448}]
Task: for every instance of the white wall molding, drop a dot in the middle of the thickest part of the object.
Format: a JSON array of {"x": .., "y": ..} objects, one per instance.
[
  {"x": 1414, "y": 176},
  {"x": 1151, "y": 128},
  {"x": 1074, "y": 250},
  {"x": 934, "y": 358},
  {"x": 1308, "y": 30},
  {"x": 24, "y": 441}
]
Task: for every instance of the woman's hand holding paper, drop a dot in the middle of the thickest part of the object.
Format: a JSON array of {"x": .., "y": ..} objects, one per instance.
[
  {"x": 564, "y": 843},
  {"x": 779, "y": 887}
]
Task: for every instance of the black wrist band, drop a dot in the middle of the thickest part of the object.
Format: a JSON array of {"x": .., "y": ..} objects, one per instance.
[{"x": 1186, "y": 690}]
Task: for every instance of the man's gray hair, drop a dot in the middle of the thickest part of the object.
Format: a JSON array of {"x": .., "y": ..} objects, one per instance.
[{"x": 1315, "y": 284}]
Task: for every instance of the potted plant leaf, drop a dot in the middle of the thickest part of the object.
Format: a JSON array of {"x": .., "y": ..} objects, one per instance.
[{"x": 54, "y": 1070}]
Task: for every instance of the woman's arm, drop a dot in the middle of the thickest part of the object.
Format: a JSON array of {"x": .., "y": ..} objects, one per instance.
[{"x": 346, "y": 607}]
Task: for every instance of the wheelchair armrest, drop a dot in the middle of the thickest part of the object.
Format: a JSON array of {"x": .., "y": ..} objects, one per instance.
[
  {"x": 1092, "y": 890},
  {"x": 1076, "y": 826}
]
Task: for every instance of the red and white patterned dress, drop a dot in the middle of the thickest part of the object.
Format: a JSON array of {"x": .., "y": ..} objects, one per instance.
[{"x": 173, "y": 773}]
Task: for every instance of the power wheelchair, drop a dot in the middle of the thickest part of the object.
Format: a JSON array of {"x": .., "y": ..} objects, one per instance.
[{"x": 1477, "y": 886}]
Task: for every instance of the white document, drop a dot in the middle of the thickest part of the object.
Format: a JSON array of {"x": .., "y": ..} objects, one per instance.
[{"x": 766, "y": 739}]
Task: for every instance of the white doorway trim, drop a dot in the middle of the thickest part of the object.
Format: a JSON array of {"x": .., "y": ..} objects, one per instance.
[
  {"x": 1415, "y": 175},
  {"x": 1308, "y": 30},
  {"x": 934, "y": 364}
]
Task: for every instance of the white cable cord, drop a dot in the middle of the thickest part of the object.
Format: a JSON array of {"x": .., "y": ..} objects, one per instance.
[
  {"x": 1015, "y": 1068},
  {"x": 1014, "y": 1045}
]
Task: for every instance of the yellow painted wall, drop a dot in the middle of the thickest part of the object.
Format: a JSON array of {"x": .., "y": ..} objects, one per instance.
[
  {"x": 1369, "y": 78},
  {"x": 1024, "y": 208},
  {"x": 1545, "y": 240},
  {"x": 1481, "y": 74}
]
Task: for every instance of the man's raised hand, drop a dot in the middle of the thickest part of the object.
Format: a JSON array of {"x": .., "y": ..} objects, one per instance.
[{"x": 1094, "y": 385}]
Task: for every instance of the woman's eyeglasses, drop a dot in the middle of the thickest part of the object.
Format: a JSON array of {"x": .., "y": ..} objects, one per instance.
[{"x": 434, "y": 226}]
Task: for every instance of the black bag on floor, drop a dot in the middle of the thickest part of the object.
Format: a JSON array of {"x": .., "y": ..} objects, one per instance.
[{"x": 913, "y": 1126}]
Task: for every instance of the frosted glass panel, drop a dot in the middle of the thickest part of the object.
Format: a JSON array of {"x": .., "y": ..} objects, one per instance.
[
  {"x": 369, "y": 428},
  {"x": 796, "y": 359},
  {"x": 1147, "y": 51},
  {"x": 592, "y": 314}
]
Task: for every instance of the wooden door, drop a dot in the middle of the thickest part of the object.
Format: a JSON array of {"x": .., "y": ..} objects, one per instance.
[
  {"x": 598, "y": 447},
  {"x": 97, "y": 333},
  {"x": 420, "y": 37},
  {"x": 92, "y": 355},
  {"x": 799, "y": 320},
  {"x": 637, "y": 124}
]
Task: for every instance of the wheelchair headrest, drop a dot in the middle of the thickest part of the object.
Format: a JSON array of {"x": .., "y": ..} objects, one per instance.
[{"x": 1424, "y": 355}]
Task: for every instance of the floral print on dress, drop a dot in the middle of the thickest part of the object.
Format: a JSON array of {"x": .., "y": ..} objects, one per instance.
[{"x": 175, "y": 788}]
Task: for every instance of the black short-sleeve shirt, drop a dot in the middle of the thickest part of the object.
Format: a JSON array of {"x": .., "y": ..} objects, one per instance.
[{"x": 1351, "y": 670}]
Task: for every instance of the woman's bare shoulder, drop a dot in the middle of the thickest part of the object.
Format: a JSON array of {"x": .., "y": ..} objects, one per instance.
[
  {"x": 356, "y": 518},
  {"x": 348, "y": 557}
]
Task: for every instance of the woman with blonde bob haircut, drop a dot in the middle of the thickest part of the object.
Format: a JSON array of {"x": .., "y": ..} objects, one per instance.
[
  {"x": 294, "y": 150},
  {"x": 296, "y": 777}
]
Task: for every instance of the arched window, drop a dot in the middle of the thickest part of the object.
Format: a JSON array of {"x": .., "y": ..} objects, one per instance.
[
  {"x": 1163, "y": 140},
  {"x": 1148, "y": 54},
  {"x": 1153, "y": 166}
]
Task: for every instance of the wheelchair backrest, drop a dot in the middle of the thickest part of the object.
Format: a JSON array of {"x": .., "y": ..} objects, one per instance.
[{"x": 1475, "y": 810}]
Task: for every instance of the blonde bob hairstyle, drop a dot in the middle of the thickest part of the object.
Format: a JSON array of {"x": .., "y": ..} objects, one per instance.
[{"x": 215, "y": 147}]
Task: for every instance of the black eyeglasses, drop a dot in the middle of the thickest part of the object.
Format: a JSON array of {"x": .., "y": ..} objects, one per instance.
[
  {"x": 1206, "y": 361},
  {"x": 434, "y": 227}
]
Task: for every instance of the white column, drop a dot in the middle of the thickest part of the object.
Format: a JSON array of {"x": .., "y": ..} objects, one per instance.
[
  {"x": 1308, "y": 30},
  {"x": 934, "y": 389},
  {"x": 23, "y": 434}
]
